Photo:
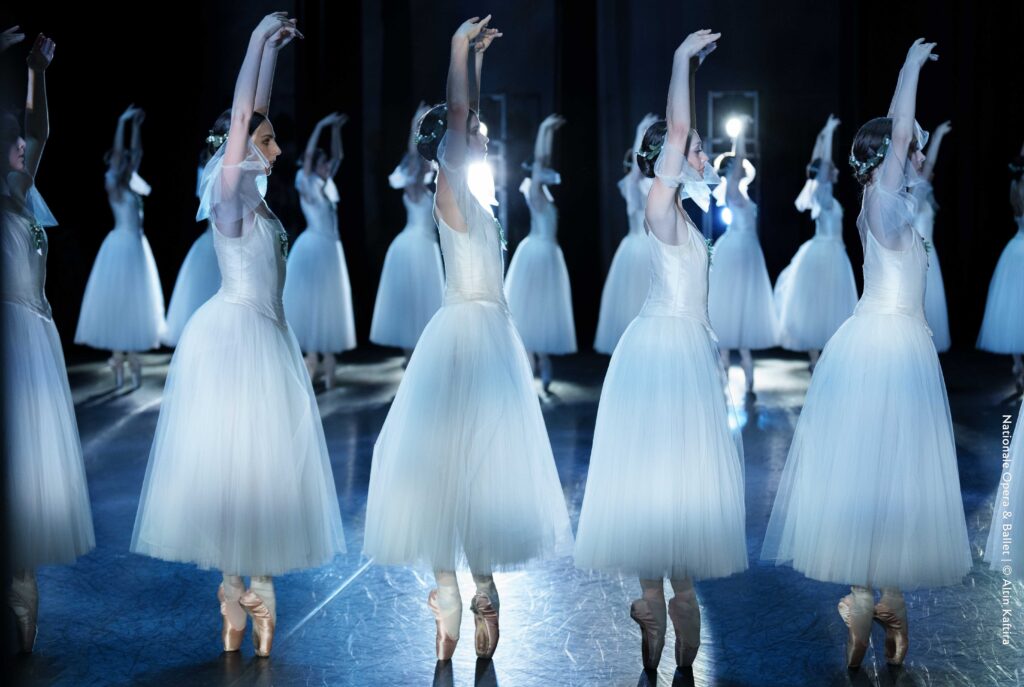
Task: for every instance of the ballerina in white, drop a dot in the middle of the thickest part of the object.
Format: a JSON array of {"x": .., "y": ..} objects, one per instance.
[
  {"x": 1002, "y": 330},
  {"x": 239, "y": 478},
  {"x": 817, "y": 292},
  {"x": 664, "y": 493},
  {"x": 412, "y": 280},
  {"x": 123, "y": 306},
  {"x": 740, "y": 292},
  {"x": 463, "y": 472},
  {"x": 537, "y": 284},
  {"x": 199, "y": 276},
  {"x": 47, "y": 512},
  {"x": 317, "y": 291},
  {"x": 629, "y": 277},
  {"x": 863, "y": 501},
  {"x": 935, "y": 310}
]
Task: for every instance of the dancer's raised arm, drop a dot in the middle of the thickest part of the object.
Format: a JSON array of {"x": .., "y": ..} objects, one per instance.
[
  {"x": 933, "y": 150},
  {"x": 901, "y": 111},
  {"x": 37, "y": 122}
]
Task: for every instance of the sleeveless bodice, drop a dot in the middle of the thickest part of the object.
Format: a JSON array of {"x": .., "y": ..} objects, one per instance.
[
  {"x": 679, "y": 278},
  {"x": 320, "y": 211},
  {"x": 127, "y": 208},
  {"x": 894, "y": 280},
  {"x": 24, "y": 261},
  {"x": 420, "y": 213},
  {"x": 744, "y": 219},
  {"x": 829, "y": 224},
  {"x": 252, "y": 267}
]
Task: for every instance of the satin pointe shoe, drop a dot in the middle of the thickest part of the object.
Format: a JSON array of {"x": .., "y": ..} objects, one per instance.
[
  {"x": 444, "y": 642},
  {"x": 231, "y": 635},
  {"x": 26, "y": 612},
  {"x": 892, "y": 615},
  {"x": 117, "y": 367},
  {"x": 653, "y": 625},
  {"x": 262, "y": 622},
  {"x": 857, "y": 611},
  {"x": 485, "y": 617},
  {"x": 135, "y": 367},
  {"x": 685, "y": 614}
]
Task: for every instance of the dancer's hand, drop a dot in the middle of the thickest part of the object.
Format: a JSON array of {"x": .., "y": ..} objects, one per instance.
[
  {"x": 284, "y": 35},
  {"x": 832, "y": 122},
  {"x": 10, "y": 37},
  {"x": 42, "y": 54},
  {"x": 698, "y": 42},
  {"x": 921, "y": 52},
  {"x": 129, "y": 113},
  {"x": 471, "y": 28},
  {"x": 273, "y": 24},
  {"x": 553, "y": 120},
  {"x": 138, "y": 116},
  {"x": 484, "y": 38},
  {"x": 944, "y": 128},
  {"x": 333, "y": 119}
]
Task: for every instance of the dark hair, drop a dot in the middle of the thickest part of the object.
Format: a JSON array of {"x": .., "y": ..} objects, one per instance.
[
  {"x": 867, "y": 143},
  {"x": 724, "y": 164},
  {"x": 10, "y": 131},
  {"x": 652, "y": 144},
  {"x": 1017, "y": 168},
  {"x": 221, "y": 126},
  {"x": 431, "y": 128}
]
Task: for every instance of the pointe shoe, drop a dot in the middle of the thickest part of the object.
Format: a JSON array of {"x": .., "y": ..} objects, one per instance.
[
  {"x": 231, "y": 636},
  {"x": 685, "y": 614},
  {"x": 135, "y": 367},
  {"x": 444, "y": 642},
  {"x": 857, "y": 611},
  {"x": 330, "y": 365},
  {"x": 893, "y": 617},
  {"x": 485, "y": 617},
  {"x": 26, "y": 612},
  {"x": 262, "y": 622},
  {"x": 117, "y": 367},
  {"x": 652, "y": 631}
]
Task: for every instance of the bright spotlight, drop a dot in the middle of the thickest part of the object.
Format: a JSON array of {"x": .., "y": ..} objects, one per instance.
[
  {"x": 726, "y": 216},
  {"x": 481, "y": 182},
  {"x": 733, "y": 127},
  {"x": 483, "y": 128}
]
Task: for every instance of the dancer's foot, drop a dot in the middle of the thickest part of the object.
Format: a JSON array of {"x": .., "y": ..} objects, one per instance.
[
  {"x": 651, "y": 617},
  {"x": 485, "y": 617},
  {"x": 891, "y": 613},
  {"x": 685, "y": 614},
  {"x": 447, "y": 620},
  {"x": 116, "y": 365},
  {"x": 857, "y": 610},
  {"x": 135, "y": 366},
  {"x": 23, "y": 599},
  {"x": 231, "y": 636},
  {"x": 262, "y": 622}
]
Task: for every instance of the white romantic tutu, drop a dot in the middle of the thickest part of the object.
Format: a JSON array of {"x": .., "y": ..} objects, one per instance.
[
  {"x": 664, "y": 493},
  {"x": 1002, "y": 330},
  {"x": 625, "y": 288},
  {"x": 539, "y": 297},
  {"x": 935, "y": 304},
  {"x": 123, "y": 306},
  {"x": 814, "y": 295},
  {"x": 239, "y": 477},
  {"x": 48, "y": 515},
  {"x": 198, "y": 279},
  {"x": 318, "y": 295},
  {"x": 1009, "y": 499},
  {"x": 740, "y": 294},
  {"x": 411, "y": 289},
  {"x": 462, "y": 469},
  {"x": 870, "y": 494}
]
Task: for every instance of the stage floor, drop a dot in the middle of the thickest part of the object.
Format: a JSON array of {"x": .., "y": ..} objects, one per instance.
[{"x": 115, "y": 618}]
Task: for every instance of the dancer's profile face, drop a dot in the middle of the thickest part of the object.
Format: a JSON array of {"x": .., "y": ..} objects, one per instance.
[
  {"x": 695, "y": 155},
  {"x": 476, "y": 138},
  {"x": 16, "y": 156},
  {"x": 265, "y": 139}
]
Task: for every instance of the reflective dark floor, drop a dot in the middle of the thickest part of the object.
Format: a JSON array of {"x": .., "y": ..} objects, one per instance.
[{"x": 118, "y": 618}]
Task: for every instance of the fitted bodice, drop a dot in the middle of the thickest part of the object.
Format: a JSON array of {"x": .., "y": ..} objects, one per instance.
[
  {"x": 744, "y": 219},
  {"x": 127, "y": 208},
  {"x": 829, "y": 224},
  {"x": 543, "y": 220},
  {"x": 252, "y": 267},
  {"x": 24, "y": 261},
  {"x": 419, "y": 212},
  {"x": 320, "y": 211},
  {"x": 679, "y": 278},
  {"x": 894, "y": 280}
]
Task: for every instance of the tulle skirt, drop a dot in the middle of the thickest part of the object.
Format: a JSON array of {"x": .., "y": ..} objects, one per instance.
[
  {"x": 935, "y": 304},
  {"x": 123, "y": 306},
  {"x": 239, "y": 478},
  {"x": 1009, "y": 499},
  {"x": 1002, "y": 330},
  {"x": 462, "y": 469},
  {"x": 198, "y": 280},
  {"x": 537, "y": 288},
  {"x": 664, "y": 493},
  {"x": 870, "y": 493},
  {"x": 318, "y": 295},
  {"x": 814, "y": 295},
  {"x": 411, "y": 289},
  {"x": 625, "y": 289},
  {"x": 740, "y": 299},
  {"x": 48, "y": 515}
]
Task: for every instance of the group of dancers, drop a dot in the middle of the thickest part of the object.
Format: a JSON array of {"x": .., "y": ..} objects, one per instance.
[{"x": 239, "y": 478}]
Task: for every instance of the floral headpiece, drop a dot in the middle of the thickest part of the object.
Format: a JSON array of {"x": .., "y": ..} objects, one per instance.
[
  {"x": 862, "y": 168},
  {"x": 436, "y": 132},
  {"x": 216, "y": 140}
]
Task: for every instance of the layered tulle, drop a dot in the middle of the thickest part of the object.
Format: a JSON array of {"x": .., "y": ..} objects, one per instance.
[
  {"x": 740, "y": 294},
  {"x": 870, "y": 494},
  {"x": 411, "y": 289},
  {"x": 49, "y": 520},
  {"x": 462, "y": 469},
  {"x": 664, "y": 494},
  {"x": 318, "y": 294},
  {"x": 625, "y": 288},
  {"x": 539, "y": 297},
  {"x": 935, "y": 310},
  {"x": 123, "y": 305},
  {"x": 198, "y": 279},
  {"x": 1002, "y": 330},
  {"x": 815, "y": 294},
  {"x": 239, "y": 477}
]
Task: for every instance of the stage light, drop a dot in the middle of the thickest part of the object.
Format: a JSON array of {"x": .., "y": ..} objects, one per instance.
[
  {"x": 733, "y": 127},
  {"x": 483, "y": 128},
  {"x": 481, "y": 182},
  {"x": 726, "y": 215}
]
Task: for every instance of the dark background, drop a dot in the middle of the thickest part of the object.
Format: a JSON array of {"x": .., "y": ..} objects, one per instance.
[{"x": 602, "y": 64}]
